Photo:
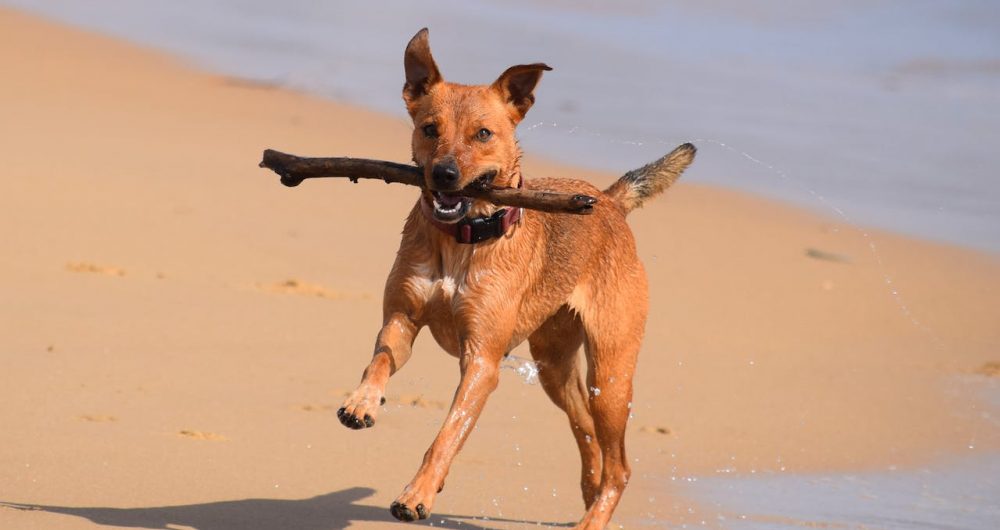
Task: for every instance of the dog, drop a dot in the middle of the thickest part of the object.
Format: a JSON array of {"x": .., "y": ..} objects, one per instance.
[{"x": 484, "y": 279}]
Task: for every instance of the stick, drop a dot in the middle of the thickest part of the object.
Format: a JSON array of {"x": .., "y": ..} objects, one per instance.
[
  {"x": 656, "y": 176},
  {"x": 294, "y": 169}
]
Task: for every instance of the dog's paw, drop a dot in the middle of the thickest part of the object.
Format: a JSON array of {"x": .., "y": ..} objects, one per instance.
[
  {"x": 404, "y": 513},
  {"x": 360, "y": 409},
  {"x": 414, "y": 503},
  {"x": 353, "y": 422}
]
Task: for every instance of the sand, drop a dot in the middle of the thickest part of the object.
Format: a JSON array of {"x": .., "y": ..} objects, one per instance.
[{"x": 178, "y": 329}]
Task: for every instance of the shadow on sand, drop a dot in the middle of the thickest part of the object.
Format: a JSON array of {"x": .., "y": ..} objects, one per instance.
[{"x": 332, "y": 511}]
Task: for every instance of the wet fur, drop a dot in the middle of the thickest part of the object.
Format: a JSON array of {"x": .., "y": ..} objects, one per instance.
[{"x": 558, "y": 281}]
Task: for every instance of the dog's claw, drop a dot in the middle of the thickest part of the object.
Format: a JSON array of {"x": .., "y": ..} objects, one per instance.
[
  {"x": 402, "y": 512},
  {"x": 422, "y": 512},
  {"x": 353, "y": 422}
]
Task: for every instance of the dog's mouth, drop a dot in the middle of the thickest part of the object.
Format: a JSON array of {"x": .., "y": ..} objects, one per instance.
[
  {"x": 449, "y": 208},
  {"x": 485, "y": 180}
]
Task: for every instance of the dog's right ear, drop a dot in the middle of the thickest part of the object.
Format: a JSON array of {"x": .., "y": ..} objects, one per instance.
[{"x": 421, "y": 72}]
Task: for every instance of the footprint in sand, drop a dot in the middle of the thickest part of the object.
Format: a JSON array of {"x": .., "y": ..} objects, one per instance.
[
  {"x": 990, "y": 369},
  {"x": 85, "y": 267},
  {"x": 650, "y": 429},
  {"x": 302, "y": 288},
  {"x": 202, "y": 435},
  {"x": 299, "y": 287},
  {"x": 97, "y": 418},
  {"x": 419, "y": 401},
  {"x": 824, "y": 255},
  {"x": 315, "y": 408}
]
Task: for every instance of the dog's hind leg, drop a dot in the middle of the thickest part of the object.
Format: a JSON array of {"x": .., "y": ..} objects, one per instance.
[
  {"x": 392, "y": 350},
  {"x": 609, "y": 382},
  {"x": 613, "y": 325},
  {"x": 555, "y": 346}
]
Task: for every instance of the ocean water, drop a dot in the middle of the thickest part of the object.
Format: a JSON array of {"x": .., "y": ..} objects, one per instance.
[
  {"x": 960, "y": 491},
  {"x": 883, "y": 113},
  {"x": 959, "y": 494}
]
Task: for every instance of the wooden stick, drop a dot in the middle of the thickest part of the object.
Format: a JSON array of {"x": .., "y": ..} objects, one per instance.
[
  {"x": 294, "y": 169},
  {"x": 659, "y": 174}
]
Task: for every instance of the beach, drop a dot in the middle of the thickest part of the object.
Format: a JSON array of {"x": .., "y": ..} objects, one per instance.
[
  {"x": 178, "y": 329},
  {"x": 876, "y": 113}
]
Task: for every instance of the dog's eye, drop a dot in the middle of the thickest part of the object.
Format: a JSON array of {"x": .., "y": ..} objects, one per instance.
[
  {"x": 430, "y": 130},
  {"x": 484, "y": 134}
]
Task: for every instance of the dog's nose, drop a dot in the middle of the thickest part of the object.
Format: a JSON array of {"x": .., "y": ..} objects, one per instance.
[{"x": 446, "y": 174}]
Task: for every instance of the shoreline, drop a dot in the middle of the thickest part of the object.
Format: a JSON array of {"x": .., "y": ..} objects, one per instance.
[
  {"x": 184, "y": 326},
  {"x": 869, "y": 130}
]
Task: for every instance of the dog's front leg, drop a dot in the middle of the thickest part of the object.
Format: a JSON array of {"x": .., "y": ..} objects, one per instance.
[
  {"x": 392, "y": 350},
  {"x": 480, "y": 368}
]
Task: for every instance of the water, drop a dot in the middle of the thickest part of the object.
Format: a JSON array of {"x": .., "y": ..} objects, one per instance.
[
  {"x": 956, "y": 492},
  {"x": 959, "y": 494},
  {"x": 887, "y": 110},
  {"x": 526, "y": 369}
]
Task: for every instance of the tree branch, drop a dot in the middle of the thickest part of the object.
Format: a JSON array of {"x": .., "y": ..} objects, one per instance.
[
  {"x": 655, "y": 177},
  {"x": 294, "y": 169}
]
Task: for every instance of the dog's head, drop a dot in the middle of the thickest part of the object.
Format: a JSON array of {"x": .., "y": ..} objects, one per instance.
[{"x": 464, "y": 133}]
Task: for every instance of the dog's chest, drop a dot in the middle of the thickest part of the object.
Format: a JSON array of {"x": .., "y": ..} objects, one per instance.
[
  {"x": 439, "y": 281},
  {"x": 439, "y": 297},
  {"x": 432, "y": 289}
]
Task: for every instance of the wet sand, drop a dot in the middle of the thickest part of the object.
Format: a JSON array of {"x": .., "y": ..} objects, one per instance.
[{"x": 178, "y": 329}]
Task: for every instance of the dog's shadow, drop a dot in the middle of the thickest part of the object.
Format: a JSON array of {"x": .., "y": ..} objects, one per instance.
[{"x": 331, "y": 511}]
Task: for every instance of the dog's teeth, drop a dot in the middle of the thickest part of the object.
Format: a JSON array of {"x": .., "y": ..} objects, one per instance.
[{"x": 446, "y": 209}]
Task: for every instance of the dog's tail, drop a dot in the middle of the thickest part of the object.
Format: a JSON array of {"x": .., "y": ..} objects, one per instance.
[{"x": 640, "y": 184}]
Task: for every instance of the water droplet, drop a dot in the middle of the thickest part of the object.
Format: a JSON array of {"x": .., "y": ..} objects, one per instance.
[{"x": 525, "y": 368}]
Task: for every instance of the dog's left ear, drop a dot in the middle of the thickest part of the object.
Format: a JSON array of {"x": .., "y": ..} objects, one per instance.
[{"x": 516, "y": 85}]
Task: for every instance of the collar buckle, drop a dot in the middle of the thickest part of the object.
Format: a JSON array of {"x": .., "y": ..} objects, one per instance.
[{"x": 476, "y": 229}]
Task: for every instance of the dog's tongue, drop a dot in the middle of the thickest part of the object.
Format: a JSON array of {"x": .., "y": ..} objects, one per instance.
[{"x": 448, "y": 201}]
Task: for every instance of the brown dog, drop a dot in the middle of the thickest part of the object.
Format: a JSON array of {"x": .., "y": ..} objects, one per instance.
[{"x": 485, "y": 279}]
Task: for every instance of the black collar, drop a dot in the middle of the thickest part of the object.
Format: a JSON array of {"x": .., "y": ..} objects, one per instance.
[{"x": 472, "y": 230}]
